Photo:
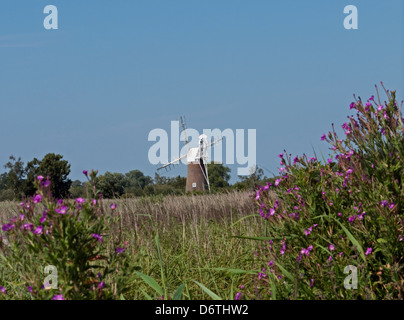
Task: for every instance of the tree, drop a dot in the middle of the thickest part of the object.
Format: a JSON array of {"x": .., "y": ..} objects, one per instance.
[
  {"x": 112, "y": 184},
  {"x": 78, "y": 189},
  {"x": 53, "y": 168},
  {"x": 219, "y": 176},
  {"x": 13, "y": 181},
  {"x": 248, "y": 182},
  {"x": 164, "y": 185}
]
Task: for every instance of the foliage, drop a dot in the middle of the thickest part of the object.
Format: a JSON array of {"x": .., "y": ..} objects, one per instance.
[
  {"x": 55, "y": 168},
  {"x": 71, "y": 236},
  {"x": 347, "y": 211},
  {"x": 219, "y": 176}
]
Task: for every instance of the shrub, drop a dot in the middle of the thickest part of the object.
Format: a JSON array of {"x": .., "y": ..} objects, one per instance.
[
  {"x": 71, "y": 236},
  {"x": 347, "y": 211}
]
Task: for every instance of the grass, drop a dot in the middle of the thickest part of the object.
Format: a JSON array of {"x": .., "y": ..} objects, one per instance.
[{"x": 186, "y": 244}]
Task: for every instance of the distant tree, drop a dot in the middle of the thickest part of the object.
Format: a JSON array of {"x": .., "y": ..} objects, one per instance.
[
  {"x": 219, "y": 176},
  {"x": 249, "y": 182},
  {"x": 78, "y": 189},
  {"x": 51, "y": 166},
  {"x": 111, "y": 184},
  {"x": 164, "y": 185},
  {"x": 3, "y": 181},
  {"x": 137, "y": 179},
  {"x": 13, "y": 180}
]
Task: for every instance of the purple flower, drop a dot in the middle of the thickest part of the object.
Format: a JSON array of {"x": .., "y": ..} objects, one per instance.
[
  {"x": 368, "y": 251},
  {"x": 329, "y": 160},
  {"x": 372, "y": 98},
  {"x": 97, "y": 236},
  {"x": 80, "y": 200},
  {"x": 351, "y": 219},
  {"x": 40, "y": 178},
  {"x": 270, "y": 263},
  {"x": 238, "y": 296},
  {"x": 311, "y": 283},
  {"x": 37, "y": 198},
  {"x": 2, "y": 290},
  {"x": 352, "y": 105},
  {"x": 39, "y": 230},
  {"x": 47, "y": 183},
  {"x": 43, "y": 219},
  {"x": 85, "y": 172},
  {"x": 8, "y": 227},
  {"x": 61, "y": 210},
  {"x": 101, "y": 285},
  {"x": 280, "y": 155},
  {"x": 323, "y": 137},
  {"x": 120, "y": 250},
  {"x": 22, "y": 217},
  {"x": 331, "y": 247},
  {"x": 58, "y": 297},
  {"x": 277, "y": 181},
  {"x": 113, "y": 206},
  {"x": 379, "y": 108},
  {"x": 329, "y": 258},
  {"x": 391, "y": 205},
  {"x": 29, "y": 289},
  {"x": 384, "y": 203},
  {"x": 27, "y": 226}
]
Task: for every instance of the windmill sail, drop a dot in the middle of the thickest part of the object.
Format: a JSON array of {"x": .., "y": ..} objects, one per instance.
[{"x": 197, "y": 162}]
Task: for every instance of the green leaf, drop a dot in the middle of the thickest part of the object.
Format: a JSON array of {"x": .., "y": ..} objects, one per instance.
[
  {"x": 325, "y": 249},
  {"x": 178, "y": 292},
  {"x": 273, "y": 286},
  {"x": 232, "y": 271},
  {"x": 353, "y": 240},
  {"x": 239, "y": 220},
  {"x": 211, "y": 294},
  {"x": 151, "y": 282},
  {"x": 146, "y": 295},
  {"x": 285, "y": 272},
  {"x": 121, "y": 297}
]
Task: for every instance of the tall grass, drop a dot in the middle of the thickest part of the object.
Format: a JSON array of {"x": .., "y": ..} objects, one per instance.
[{"x": 198, "y": 239}]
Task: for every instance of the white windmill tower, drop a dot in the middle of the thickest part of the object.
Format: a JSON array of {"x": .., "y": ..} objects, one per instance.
[{"x": 197, "y": 163}]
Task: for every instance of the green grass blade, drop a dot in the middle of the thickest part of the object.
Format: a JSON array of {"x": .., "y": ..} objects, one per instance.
[
  {"x": 161, "y": 265},
  {"x": 211, "y": 294},
  {"x": 353, "y": 240},
  {"x": 151, "y": 282},
  {"x": 239, "y": 220},
  {"x": 178, "y": 292},
  {"x": 285, "y": 272},
  {"x": 233, "y": 271},
  {"x": 146, "y": 295}
]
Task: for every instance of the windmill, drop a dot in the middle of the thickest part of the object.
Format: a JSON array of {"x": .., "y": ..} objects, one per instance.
[{"x": 197, "y": 162}]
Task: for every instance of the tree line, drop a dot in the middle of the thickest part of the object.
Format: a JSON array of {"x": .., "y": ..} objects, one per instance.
[{"x": 18, "y": 180}]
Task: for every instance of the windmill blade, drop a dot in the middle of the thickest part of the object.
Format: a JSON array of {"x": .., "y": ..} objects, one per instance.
[
  {"x": 214, "y": 142},
  {"x": 184, "y": 129},
  {"x": 172, "y": 162}
]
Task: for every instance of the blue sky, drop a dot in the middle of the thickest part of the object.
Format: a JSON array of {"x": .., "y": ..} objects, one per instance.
[{"x": 114, "y": 70}]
